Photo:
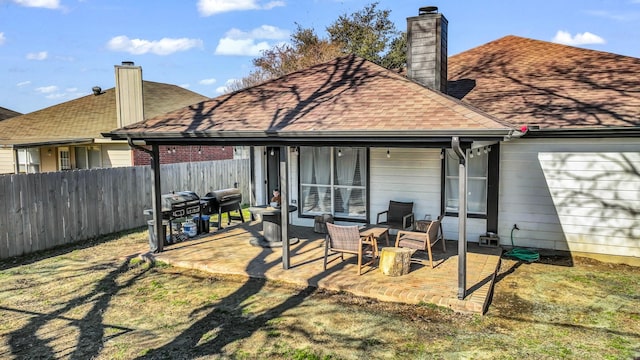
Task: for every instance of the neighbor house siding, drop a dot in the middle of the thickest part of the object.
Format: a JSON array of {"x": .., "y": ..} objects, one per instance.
[
  {"x": 580, "y": 195},
  {"x": 7, "y": 160},
  {"x": 116, "y": 155}
]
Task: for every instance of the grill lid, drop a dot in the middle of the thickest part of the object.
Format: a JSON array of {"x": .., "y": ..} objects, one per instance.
[
  {"x": 182, "y": 198},
  {"x": 224, "y": 195}
]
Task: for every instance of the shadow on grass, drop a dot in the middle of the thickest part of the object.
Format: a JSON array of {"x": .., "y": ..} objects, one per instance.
[
  {"x": 26, "y": 343},
  {"x": 12, "y": 262}
]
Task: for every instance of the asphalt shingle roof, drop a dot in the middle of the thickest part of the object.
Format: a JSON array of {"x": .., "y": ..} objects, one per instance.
[
  {"x": 348, "y": 94},
  {"x": 7, "y": 113},
  {"x": 532, "y": 82},
  {"x": 89, "y": 116}
]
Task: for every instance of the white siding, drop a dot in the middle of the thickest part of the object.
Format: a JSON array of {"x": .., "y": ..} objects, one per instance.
[
  {"x": 577, "y": 195},
  {"x": 6, "y": 161},
  {"x": 116, "y": 155}
]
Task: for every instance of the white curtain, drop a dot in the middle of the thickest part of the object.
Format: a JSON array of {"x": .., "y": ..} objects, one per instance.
[
  {"x": 346, "y": 170},
  {"x": 315, "y": 169}
]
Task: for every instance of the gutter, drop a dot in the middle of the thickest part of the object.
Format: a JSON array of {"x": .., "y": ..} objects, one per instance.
[
  {"x": 138, "y": 147},
  {"x": 612, "y": 132}
]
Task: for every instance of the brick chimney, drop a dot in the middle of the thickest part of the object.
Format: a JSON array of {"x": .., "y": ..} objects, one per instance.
[
  {"x": 427, "y": 48},
  {"x": 129, "y": 101}
]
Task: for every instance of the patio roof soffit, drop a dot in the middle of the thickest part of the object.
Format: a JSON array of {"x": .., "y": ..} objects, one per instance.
[{"x": 435, "y": 138}]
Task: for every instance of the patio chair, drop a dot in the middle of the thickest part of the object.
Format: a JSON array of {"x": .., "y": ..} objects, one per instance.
[
  {"x": 423, "y": 241},
  {"x": 398, "y": 216},
  {"x": 346, "y": 239}
]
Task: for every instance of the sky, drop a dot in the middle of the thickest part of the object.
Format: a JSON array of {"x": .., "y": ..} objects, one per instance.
[{"x": 53, "y": 51}]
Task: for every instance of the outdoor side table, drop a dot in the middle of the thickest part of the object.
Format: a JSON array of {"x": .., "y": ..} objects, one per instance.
[{"x": 395, "y": 261}]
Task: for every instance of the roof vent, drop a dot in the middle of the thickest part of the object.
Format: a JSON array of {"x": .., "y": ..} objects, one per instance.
[
  {"x": 128, "y": 63},
  {"x": 97, "y": 90},
  {"x": 427, "y": 10}
]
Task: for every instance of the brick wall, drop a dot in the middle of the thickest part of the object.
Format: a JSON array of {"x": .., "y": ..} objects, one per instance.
[{"x": 185, "y": 154}]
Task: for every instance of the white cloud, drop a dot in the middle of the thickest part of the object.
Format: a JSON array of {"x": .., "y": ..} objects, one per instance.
[
  {"x": 616, "y": 16},
  {"x": 211, "y": 7},
  {"x": 37, "y": 56},
  {"x": 56, "y": 96},
  {"x": 585, "y": 38},
  {"x": 224, "y": 89},
  {"x": 47, "y": 89},
  {"x": 164, "y": 46},
  {"x": 47, "y": 4},
  {"x": 238, "y": 42},
  {"x": 2, "y": 38},
  {"x": 207, "y": 81},
  {"x": 53, "y": 92},
  {"x": 23, "y": 83}
]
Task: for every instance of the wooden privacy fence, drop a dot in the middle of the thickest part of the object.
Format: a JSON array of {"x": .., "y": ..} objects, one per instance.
[{"x": 41, "y": 211}]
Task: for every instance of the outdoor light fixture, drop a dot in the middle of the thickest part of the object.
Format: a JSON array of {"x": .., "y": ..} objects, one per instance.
[
  {"x": 441, "y": 154},
  {"x": 173, "y": 150},
  {"x": 168, "y": 150},
  {"x": 471, "y": 154},
  {"x": 478, "y": 151},
  {"x": 272, "y": 152},
  {"x": 388, "y": 153},
  {"x": 49, "y": 152},
  {"x": 199, "y": 150},
  {"x": 485, "y": 150},
  {"x": 339, "y": 152}
]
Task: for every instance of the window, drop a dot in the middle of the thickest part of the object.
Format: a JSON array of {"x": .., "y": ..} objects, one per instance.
[
  {"x": 333, "y": 181},
  {"x": 477, "y": 168},
  {"x": 87, "y": 157},
  {"x": 64, "y": 158}
]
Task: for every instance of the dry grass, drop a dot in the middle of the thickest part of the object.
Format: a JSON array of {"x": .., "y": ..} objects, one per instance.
[{"x": 96, "y": 301}]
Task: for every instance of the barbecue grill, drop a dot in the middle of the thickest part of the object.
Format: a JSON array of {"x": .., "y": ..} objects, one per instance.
[
  {"x": 221, "y": 201},
  {"x": 180, "y": 204}
]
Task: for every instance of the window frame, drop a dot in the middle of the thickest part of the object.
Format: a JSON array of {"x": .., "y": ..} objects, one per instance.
[
  {"x": 333, "y": 188},
  {"x": 492, "y": 191}
]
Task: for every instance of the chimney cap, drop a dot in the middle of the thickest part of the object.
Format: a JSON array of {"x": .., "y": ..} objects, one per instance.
[
  {"x": 97, "y": 90},
  {"x": 128, "y": 63},
  {"x": 427, "y": 10}
]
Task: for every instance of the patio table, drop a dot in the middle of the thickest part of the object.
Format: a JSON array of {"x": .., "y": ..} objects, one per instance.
[{"x": 377, "y": 231}]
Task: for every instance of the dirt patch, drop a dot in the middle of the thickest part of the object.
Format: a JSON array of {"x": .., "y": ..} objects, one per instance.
[{"x": 97, "y": 301}]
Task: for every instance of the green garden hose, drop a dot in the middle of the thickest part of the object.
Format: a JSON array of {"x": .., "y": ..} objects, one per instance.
[{"x": 520, "y": 253}]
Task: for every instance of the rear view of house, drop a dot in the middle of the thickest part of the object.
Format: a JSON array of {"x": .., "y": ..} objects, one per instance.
[{"x": 534, "y": 141}]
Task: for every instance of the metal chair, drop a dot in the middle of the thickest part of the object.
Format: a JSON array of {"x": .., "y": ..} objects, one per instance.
[
  {"x": 399, "y": 215},
  {"x": 346, "y": 239}
]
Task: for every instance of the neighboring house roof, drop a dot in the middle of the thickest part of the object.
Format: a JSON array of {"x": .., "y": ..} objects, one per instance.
[
  {"x": 348, "y": 96},
  {"x": 6, "y": 113},
  {"x": 85, "y": 118},
  {"x": 532, "y": 82}
]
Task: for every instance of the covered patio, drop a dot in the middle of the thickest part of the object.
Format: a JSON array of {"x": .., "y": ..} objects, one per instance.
[{"x": 230, "y": 251}]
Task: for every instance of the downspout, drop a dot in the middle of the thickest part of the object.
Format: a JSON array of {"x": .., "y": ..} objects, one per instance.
[
  {"x": 155, "y": 195},
  {"x": 16, "y": 161},
  {"x": 462, "y": 217}
]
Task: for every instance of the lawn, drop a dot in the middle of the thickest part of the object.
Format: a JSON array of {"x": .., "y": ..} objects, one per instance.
[{"x": 97, "y": 301}]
